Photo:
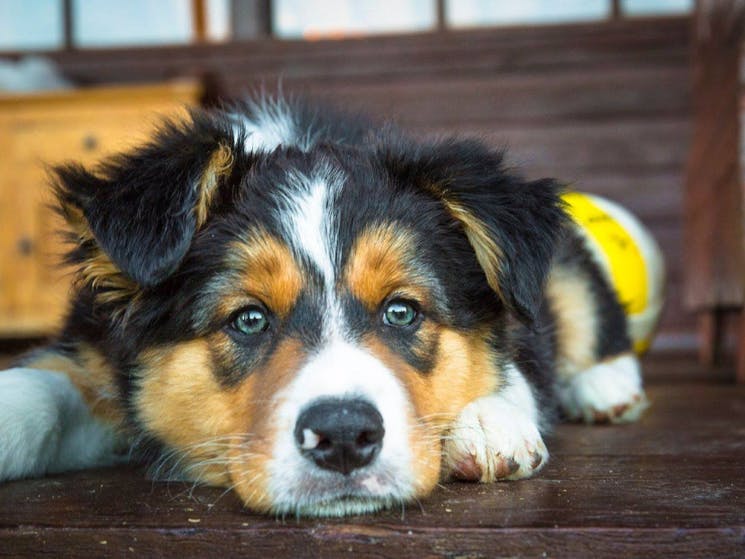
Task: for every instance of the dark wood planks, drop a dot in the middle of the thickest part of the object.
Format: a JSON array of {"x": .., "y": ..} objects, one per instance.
[
  {"x": 379, "y": 542},
  {"x": 669, "y": 486}
]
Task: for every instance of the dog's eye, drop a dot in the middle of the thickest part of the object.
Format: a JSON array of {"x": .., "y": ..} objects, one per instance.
[
  {"x": 400, "y": 313},
  {"x": 250, "y": 321}
]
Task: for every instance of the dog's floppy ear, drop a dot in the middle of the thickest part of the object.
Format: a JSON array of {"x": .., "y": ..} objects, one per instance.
[
  {"x": 137, "y": 213},
  {"x": 512, "y": 224}
]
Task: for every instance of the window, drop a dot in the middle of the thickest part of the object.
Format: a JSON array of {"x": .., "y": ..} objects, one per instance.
[
  {"x": 101, "y": 23},
  {"x": 466, "y": 13},
  {"x": 31, "y": 24},
  {"x": 312, "y": 18},
  {"x": 656, "y": 7},
  {"x": 40, "y": 24}
]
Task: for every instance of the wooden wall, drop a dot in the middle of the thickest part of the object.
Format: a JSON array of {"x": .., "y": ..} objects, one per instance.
[{"x": 606, "y": 106}]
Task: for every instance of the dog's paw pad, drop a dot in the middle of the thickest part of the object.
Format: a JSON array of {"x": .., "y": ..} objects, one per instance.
[
  {"x": 609, "y": 392},
  {"x": 467, "y": 468},
  {"x": 492, "y": 440}
]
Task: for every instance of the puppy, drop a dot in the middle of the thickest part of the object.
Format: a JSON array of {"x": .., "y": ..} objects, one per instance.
[{"x": 321, "y": 314}]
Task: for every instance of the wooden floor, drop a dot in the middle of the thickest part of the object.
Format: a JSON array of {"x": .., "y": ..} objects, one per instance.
[{"x": 672, "y": 485}]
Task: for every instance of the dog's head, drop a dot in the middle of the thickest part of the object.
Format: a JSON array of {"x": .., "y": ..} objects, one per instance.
[{"x": 301, "y": 319}]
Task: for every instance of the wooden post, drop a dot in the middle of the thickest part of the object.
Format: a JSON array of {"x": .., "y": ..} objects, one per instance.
[
  {"x": 710, "y": 329},
  {"x": 441, "y": 22},
  {"x": 199, "y": 20},
  {"x": 68, "y": 29},
  {"x": 251, "y": 19},
  {"x": 714, "y": 209},
  {"x": 740, "y": 363}
]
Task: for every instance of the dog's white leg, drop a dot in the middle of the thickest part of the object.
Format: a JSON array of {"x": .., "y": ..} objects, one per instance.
[
  {"x": 46, "y": 427},
  {"x": 497, "y": 436},
  {"x": 610, "y": 391}
]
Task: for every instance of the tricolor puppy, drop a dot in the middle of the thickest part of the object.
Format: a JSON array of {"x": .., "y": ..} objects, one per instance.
[{"x": 323, "y": 315}]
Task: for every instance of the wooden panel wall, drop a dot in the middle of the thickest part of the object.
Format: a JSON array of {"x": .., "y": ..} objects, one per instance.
[{"x": 606, "y": 106}]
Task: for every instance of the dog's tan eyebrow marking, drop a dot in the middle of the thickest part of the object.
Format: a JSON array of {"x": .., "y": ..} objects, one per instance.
[
  {"x": 267, "y": 270},
  {"x": 380, "y": 263}
]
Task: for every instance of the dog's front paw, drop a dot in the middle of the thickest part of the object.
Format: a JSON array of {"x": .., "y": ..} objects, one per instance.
[
  {"x": 29, "y": 423},
  {"x": 609, "y": 392},
  {"x": 491, "y": 440},
  {"x": 45, "y": 427}
]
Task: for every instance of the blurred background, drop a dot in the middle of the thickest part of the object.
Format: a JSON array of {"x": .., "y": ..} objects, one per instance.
[{"x": 637, "y": 100}]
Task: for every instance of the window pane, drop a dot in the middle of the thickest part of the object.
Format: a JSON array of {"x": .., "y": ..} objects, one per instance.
[
  {"x": 315, "y": 18},
  {"x": 218, "y": 20},
  {"x": 467, "y": 13},
  {"x": 131, "y": 22},
  {"x": 30, "y": 24},
  {"x": 655, "y": 7}
]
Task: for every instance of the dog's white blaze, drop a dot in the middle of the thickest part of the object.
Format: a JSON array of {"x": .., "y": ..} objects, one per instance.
[
  {"x": 341, "y": 370},
  {"x": 46, "y": 427},
  {"x": 311, "y": 230}
]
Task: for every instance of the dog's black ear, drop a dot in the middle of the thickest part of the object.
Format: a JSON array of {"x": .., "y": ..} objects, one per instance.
[
  {"x": 137, "y": 213},
  {"x": 512, "y": 224}
]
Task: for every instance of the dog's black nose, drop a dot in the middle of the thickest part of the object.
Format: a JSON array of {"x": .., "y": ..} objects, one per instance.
[{"x": 340, "y": 434}]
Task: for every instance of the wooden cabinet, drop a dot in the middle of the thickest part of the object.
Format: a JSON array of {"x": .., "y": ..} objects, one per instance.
[{"x": 46, "y": 129}]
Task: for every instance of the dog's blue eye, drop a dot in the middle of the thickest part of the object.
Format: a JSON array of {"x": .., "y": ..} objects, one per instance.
[
  {"x": 251, "y": 321},
  {"x": 400, "y": 313}
]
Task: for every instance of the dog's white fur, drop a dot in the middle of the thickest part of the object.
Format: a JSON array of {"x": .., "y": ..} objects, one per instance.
[
  {"x": 272, "y": 126},
  {"x": 611, "y": 390},
  {"x": 308, "y": 220}
]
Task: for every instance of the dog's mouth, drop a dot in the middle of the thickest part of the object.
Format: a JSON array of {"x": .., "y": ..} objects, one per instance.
[
  {"x": 345, "y": 505},
  {"x": 339, "y": 495}
]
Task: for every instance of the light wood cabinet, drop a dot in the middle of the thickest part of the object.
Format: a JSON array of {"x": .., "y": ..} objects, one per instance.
[{"x": 46, "y": 129}]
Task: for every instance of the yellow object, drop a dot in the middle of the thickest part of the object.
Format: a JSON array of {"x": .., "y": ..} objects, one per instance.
[{"x": 617, "y": 247}]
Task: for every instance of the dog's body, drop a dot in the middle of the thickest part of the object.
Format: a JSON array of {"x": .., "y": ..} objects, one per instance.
[{"x": 319, "y": 313}]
